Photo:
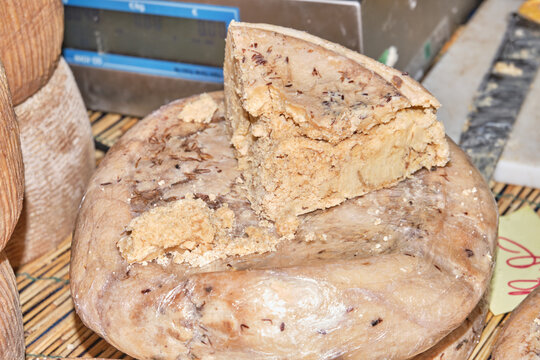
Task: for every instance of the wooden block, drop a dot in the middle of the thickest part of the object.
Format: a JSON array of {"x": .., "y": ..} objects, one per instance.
[
  {"x": 31, "y": 33},
  {"x": 11, "y": 165}
]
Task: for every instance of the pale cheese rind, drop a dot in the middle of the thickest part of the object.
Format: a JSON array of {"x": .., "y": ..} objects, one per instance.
[{"x": 58, "y": 155}]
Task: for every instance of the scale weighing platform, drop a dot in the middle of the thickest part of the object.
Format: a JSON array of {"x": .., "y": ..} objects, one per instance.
[{"x": 132, "y": 56}]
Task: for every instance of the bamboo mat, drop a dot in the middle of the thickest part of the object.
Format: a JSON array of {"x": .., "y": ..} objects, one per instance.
[{"x": 54, "y": 331}]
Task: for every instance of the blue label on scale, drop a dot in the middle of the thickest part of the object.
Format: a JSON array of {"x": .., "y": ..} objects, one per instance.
[
  {"x": 148, "y": 66},
  {"x": 144, "y": 66},
  {"x": 164, "y": 8}
]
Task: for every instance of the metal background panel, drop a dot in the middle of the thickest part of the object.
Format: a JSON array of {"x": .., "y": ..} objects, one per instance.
[
  {"x": 137, "y": 94},
  {"x": 417, "y": 28},
  {"x": 132, "y": 93},
  {"x": 336, "y": 21}
]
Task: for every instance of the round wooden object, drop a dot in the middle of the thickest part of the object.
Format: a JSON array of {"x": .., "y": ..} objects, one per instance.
[
  {"x": 385, "y": 275},
  {"x": 58, "y": 155},
  {"x": 11, "y": 165},
  {"x": 31, "y": 33},
  {"x": 519, "y": 338},
  {"x": 11, "y": 325}
]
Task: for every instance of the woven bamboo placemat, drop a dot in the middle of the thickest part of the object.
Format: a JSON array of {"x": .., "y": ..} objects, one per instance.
[{"x": 54, "y": 331}]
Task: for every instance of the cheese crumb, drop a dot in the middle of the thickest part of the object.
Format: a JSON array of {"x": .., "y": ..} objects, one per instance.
[
  {"x": 188, "y": 231},
  {"x": 310, "y": 237},
  {"x": 200, "y": 111},
  {"x": 265, "y": 223},
  {"x": 287, "y": 224}
]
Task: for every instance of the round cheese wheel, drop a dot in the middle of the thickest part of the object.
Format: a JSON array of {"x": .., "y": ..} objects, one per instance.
[
  {"x": 31, "y": 33},
  {"x": 520, "y": 336},
  {"x": 58, "y": 156},
  {"x": 385, "y": 275},
  {"x": 11, "y": 325},
  {"x": 11, "y": 165}
]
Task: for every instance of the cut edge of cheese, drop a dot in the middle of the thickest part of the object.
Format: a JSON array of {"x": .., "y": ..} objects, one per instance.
[
  {"x": 11, "y": 164},
  {"x": 315, "y": 124},
  {"x": 58, "y": 155}
]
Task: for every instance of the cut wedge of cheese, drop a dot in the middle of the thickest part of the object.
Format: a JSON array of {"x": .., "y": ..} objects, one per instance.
[
  {"x": 11, "y": 325},
  {"x": 315, "y": 124},
  {"x": 383, "y": 276},
  {"x": 31, "y": 33},
  {"x": 58, "y": 156},
  {"x": 11, "y": 165}
]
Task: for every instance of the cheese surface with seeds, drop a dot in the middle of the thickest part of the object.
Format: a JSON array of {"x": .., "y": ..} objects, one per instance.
[
  {"x": 416, "y": 256},
  {"x": 193, "y": 228},
  {"x": 315, "y": 124}
]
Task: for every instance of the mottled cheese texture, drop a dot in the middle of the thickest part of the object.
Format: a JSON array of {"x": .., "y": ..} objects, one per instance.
[
  {"x": 188, "y": 231},
  {"x": 314, "y": 124}
]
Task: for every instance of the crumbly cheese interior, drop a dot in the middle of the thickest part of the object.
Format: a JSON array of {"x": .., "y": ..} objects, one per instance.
[
  {"x": 296, "y": 174},
  {"x": 312, "y": 128},
  {"x": 188, "y": 231}
]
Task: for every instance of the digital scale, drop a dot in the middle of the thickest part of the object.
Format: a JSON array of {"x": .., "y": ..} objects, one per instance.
[{"x": 132, "y": 56}]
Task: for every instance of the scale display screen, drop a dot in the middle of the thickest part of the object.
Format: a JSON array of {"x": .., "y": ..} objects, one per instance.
[{"x": 153, "y": 37}]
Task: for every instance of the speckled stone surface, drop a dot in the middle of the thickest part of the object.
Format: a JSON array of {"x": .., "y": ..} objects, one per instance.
[
  {"x": 455, "y": 78},
  {"x": 501, "y": 94},
  {"x": 520, "y": 161}
]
